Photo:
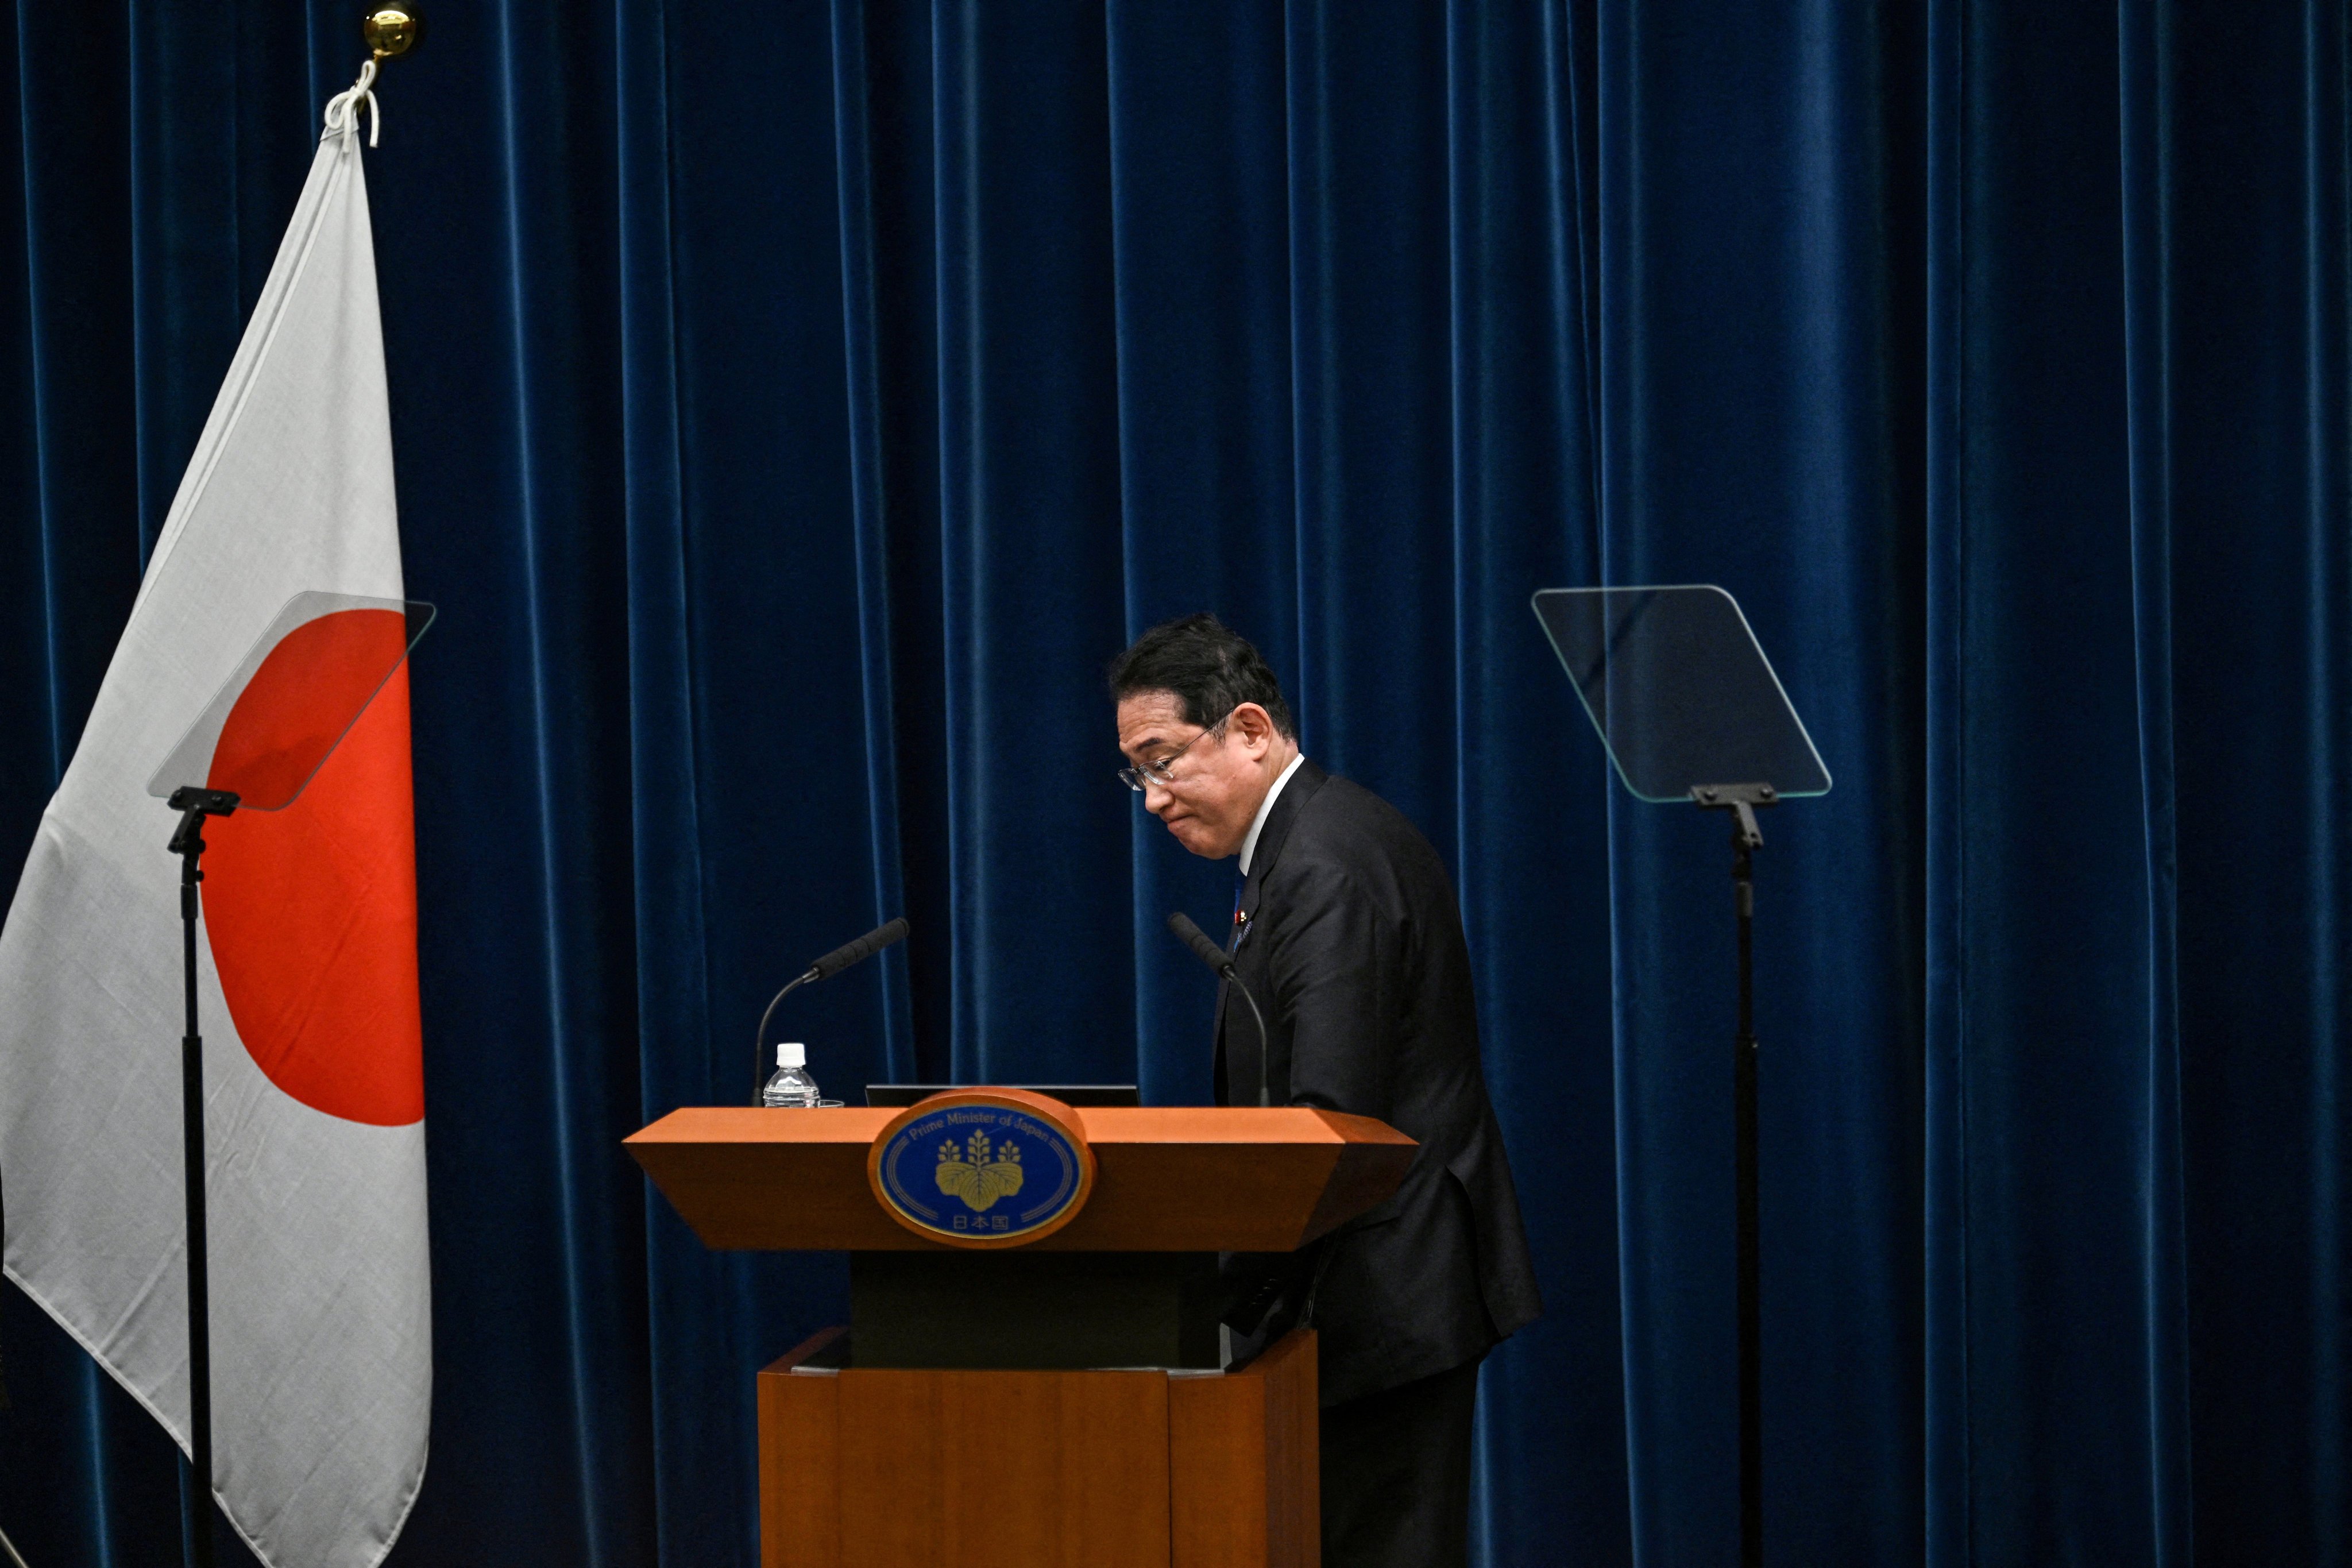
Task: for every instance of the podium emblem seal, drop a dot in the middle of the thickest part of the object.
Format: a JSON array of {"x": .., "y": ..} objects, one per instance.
[{"x": 983, "y": 1167}]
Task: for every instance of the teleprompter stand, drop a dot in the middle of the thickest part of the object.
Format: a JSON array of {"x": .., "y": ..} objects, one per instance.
[
  {"x": 193, "y": 805},
  {"x": 257, "y": 744},
  {"x": 1742, "y": 800},
  {"x": 1684, "y": 699}
]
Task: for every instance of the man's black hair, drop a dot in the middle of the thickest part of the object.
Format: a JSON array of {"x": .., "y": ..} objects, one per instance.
[{"x": 1210, "y": 669}]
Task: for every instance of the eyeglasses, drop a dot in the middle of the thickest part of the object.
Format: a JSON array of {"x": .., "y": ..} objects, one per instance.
[{"x": 1163, "y": 769}]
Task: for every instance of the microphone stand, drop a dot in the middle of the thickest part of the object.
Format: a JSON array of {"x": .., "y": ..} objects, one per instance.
[
  {"x": 1265, "y": 1046},
  {"x": 1223, "y": 965},
  {"x": 832, "y": 964},
  {"x": 193, "y": 805}
]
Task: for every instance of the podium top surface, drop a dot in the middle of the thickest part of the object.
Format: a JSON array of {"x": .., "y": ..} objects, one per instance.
[{"x": 1170, "y": 1178}]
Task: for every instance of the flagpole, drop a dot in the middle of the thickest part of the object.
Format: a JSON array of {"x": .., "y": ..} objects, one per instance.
[{"x": 390, "y": 31}]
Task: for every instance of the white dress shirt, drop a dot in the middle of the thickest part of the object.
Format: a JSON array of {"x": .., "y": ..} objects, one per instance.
[{"x": 1264, "y": 807}]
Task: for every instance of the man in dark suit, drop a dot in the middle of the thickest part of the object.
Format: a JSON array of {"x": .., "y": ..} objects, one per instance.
[{"x": 1348, "y": 934}]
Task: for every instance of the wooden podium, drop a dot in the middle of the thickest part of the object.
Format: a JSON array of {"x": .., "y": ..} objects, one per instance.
[{"x": 1050, "y": 1400}]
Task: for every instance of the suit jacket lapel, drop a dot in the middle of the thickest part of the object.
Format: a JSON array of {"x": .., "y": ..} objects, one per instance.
[
  {"x": 1286, "y": 807},
  {"x": 1293, "y": 800}
]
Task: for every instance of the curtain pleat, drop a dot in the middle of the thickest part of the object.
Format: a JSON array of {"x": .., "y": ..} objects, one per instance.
[
  {"x": 872, "y": 489},
  {"x": 2135, "y": 1319},
  {"x": 796, "y": 410}
]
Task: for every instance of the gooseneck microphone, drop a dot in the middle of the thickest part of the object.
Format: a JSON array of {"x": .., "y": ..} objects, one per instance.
[
  {"x": 825, "y": 968},
  {"x": 858, "y": 952},
  {"x": 1217, "y": 959}
]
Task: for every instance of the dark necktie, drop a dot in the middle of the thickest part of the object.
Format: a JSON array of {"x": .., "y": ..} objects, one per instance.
[{"x": 1233, "y": 938}]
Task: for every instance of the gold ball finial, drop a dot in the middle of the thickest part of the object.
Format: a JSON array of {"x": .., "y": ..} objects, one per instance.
[{"x": 392, "y": 30}]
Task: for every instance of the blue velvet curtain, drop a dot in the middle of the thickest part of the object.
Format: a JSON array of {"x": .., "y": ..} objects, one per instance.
[{"x": 796, "y": 405}]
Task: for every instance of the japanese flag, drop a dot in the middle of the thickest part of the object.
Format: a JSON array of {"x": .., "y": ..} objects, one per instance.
[{"x": 320, "y": 1296}]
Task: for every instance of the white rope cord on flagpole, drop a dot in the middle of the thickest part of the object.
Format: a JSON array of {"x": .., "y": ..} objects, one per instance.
[{"x": 344, "y": 109}]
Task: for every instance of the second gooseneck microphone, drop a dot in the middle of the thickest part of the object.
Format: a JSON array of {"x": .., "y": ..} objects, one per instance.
[
  {"x": 1217, "y": 959},
  {"x": 825, "y": 968}
]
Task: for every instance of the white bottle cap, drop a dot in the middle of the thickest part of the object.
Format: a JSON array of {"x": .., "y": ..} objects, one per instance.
[{"x": 794, "y": 1055}]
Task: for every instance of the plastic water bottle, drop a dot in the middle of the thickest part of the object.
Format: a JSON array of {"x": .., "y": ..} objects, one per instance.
[{"x": 791, "y": 1084}]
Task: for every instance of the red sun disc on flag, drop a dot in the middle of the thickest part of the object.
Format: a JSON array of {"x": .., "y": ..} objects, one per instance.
[{"x": 311, "y": 911}]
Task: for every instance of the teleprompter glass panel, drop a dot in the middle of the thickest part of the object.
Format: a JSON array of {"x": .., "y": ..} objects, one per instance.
[
  {"x": 292, "y": 699},
  {"x": 1682, "y": 694}
]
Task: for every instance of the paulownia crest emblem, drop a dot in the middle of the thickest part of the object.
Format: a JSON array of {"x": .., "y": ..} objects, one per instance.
[{"x": 981, "y": 1172}]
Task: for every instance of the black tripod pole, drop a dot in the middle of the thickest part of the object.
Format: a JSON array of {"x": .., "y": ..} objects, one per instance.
[
  {"x": 188, "y": 844},
  {"x": 1751, "y": 1333},
  {"x": 1742, "y": 800}
]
